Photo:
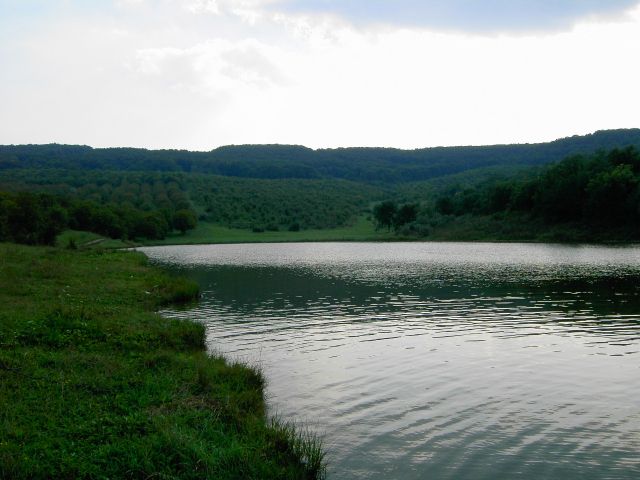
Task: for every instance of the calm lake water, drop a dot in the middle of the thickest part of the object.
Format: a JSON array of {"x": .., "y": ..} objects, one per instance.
[{"x": 437, "y": 360}]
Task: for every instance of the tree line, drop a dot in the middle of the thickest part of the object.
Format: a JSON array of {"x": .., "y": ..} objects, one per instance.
[
  {"x": 370, "y": 165},
  {"x": 145, "y": 191},
  {"x": 37, "y": 218},
  {"x": 597, "y": 192},
  {"x": 246, "y": 203},
  {"x": 389, "y": 215}
]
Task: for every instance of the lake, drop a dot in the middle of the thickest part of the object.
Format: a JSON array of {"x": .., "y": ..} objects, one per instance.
[{"x": 437, "y": 360}]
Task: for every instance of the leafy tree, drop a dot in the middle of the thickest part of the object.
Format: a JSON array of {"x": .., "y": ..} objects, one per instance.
[
  {"x": 561, "y": 190},
  {"x": 151, "y": 225},
  {"x": 406, "y": 214},
  {"x": 445, "y": 205},
  {"x": 594, "y": 194},
  {"x": 31, "y": 219},
  {"x": 612, "y": 197},
  {"x": 38, "y": 218},
  {"x": 499, "y": 197},
  {"x": 184, "y": 220},
  {"x": 384, "y": 214}
]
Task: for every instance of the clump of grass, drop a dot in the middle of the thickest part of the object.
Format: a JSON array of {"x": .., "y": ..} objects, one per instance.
[
  {"x": 177, "y": 290},
  {"x": 94, "y": 384},
  {"x": 302, "y": 443}
]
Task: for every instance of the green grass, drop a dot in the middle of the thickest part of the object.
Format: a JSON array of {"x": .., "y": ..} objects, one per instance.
[
  {"x": 523, "y": 228},
  {"x": 361, "y": 230},
  {"x": 93, "y": 384},
  {"x": 75, "y": 239}
]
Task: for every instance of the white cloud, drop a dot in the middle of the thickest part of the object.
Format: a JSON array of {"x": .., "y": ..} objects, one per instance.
[
  {"x": 211, "y": 67},
  {"x": 208, "y": 6},
  {"x": 183, "y": 74},
  {"x": 469, "y": 15}
]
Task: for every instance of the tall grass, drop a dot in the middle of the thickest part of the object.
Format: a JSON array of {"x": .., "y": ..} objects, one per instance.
[
  {"x": 302, "y": 443},
  {"x": 177, "y": 290}
]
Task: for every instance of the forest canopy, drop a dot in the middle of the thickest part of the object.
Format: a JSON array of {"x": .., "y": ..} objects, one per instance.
[
  {"x": 37, "y": 218},
  {"x": 597, "y": 194},
  {"x": 371, "y": 165}
]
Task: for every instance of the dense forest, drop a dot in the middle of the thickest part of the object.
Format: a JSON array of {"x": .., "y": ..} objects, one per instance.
[
  {"x": 583, "y": 197},
  {"x": 371, "y": 165},
  {"x": 37, "y": 218}
]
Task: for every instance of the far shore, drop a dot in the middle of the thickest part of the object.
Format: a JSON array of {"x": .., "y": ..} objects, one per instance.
[{"x": 363, "y": 230}]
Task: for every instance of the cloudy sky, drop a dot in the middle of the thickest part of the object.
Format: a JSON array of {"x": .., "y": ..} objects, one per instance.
[{"x": 197, "y": 74}]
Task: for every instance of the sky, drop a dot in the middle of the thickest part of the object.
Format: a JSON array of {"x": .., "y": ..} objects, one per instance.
[{"x": 197, "y": 74}]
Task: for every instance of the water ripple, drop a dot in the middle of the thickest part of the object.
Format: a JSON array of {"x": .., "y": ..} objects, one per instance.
[{"x": 449, "y": 361}]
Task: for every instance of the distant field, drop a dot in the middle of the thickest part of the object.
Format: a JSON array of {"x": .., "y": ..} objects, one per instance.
[
  {"x": 361, "y": 230},
  {"x": 83, "y": 240}
]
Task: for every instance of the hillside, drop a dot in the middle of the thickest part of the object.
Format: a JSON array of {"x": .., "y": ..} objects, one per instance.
[
  {"x": 370, "y": 165},
  {"x": 259, "y": 189}
]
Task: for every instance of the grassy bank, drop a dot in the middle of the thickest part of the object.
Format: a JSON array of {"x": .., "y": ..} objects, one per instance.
[
  {"x": 497, "y": 228},
  {"x": 75, "y": 239},
  {"x": 361, "y": 230},
  {"x": 523, "y": 228},
  {"x": 93, "y": 384},
  {"x": 467, "y": 228}
]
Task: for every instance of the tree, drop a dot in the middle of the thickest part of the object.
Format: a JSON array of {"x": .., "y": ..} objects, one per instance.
[
  {"x": 184, "y": 220},
  {"x": 385, "y": 213},
  {"x": 445, "y": 206},
  {"x": 499, "y": 197},
  {"x": 150, "y": 225},
  {"x": 612, "y": 197},
  {"x": 406, "y": 214}
]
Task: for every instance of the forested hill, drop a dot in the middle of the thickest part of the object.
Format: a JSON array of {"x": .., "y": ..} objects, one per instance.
[{"x": 374, "y": 165}]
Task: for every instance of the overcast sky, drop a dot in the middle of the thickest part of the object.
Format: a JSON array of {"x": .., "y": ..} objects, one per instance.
[{"x": 197, "y": 74}]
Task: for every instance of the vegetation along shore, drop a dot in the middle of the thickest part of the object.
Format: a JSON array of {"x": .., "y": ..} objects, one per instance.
[{"x": 95, "y": 384}]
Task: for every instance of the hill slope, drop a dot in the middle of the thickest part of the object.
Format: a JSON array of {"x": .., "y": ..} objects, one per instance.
[{"x": 370, "y": 165}]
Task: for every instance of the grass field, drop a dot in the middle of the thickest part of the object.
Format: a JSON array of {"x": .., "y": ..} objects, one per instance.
[
  {"x": 361, "y": 230},
  {"x": 93, "y": 384},
  {"x": 83, "y": 240}
]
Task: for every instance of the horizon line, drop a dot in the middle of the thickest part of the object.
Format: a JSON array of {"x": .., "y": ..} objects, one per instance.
[{"x": 150, "y": 149}]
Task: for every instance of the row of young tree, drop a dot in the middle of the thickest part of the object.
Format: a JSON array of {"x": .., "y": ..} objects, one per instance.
[
  {"x": 146, "y": 191},
  {"x": 246, "y": 203},
  {"x": 286, "y": 204},
  {"x": 601, "y": 191},
  {"x": 36, "y": 218}
]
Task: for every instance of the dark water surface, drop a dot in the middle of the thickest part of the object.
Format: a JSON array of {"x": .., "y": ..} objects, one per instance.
[{"x": 437, "y": 360}]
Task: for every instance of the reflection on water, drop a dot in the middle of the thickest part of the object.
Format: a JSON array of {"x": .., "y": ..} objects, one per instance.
[{"x": 448, "y": 360}]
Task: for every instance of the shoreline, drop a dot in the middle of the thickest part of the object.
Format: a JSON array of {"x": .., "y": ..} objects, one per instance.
[
  {"x": 362, "y": 230},
  {"x": 129, "y": 392},
  {"x": 398, "y": 240}
]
